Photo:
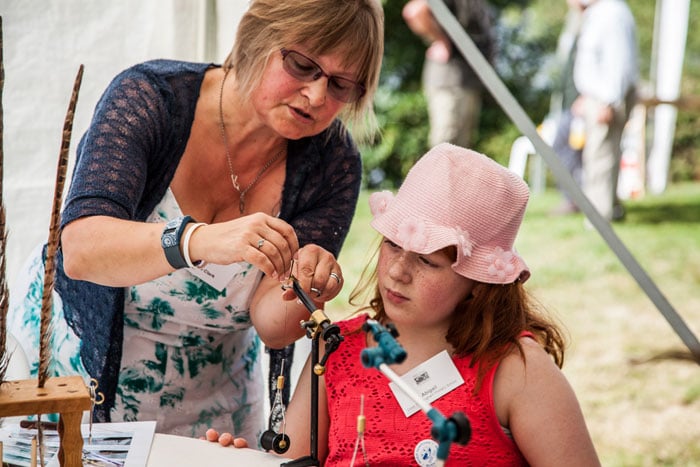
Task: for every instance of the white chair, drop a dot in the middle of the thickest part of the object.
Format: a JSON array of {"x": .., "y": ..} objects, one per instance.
[{"x": 522, "y": 149}]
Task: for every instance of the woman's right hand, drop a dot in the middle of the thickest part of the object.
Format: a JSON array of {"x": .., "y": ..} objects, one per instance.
[
  {"x": 225, "y": 439},
  {"x": 119, "y": 253},
  {"x": 266, "y": 242}
]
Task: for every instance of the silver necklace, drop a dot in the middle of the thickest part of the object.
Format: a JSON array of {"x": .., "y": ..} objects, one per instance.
[{"x": 234, "y": 177}]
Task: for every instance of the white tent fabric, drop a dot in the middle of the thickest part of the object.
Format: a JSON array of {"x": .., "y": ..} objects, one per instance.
[
  {"x": 45, "y": 42},
  {"x": 669, "y": 47}
]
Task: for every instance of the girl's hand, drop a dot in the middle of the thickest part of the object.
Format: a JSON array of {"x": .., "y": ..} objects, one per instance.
[{"x": 225, "y": 439}]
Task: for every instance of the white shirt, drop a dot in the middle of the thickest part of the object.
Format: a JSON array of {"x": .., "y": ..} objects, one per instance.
[{"x": 606, "y": 58}]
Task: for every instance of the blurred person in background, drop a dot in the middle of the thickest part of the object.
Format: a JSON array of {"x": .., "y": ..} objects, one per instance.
[
  {"x": 606, "y": 72},
  {"x": 569, "y": 136},
  {"x": 452, "y": 89}
]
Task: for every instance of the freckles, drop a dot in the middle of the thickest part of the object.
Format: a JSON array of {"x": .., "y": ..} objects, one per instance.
[
  {"x": 382, "y": 268},
  {"x": 440, "y": 289},
  {"x": 430, "y": 288}
]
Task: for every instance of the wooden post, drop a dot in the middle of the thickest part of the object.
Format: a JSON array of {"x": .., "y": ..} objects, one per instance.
[{"x": 68, "y": 396}]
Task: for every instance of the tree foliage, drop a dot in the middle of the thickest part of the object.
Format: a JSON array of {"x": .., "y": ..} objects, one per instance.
[
  {"x": 526, "y": 32},
  {"x": 401, "y": 106}
]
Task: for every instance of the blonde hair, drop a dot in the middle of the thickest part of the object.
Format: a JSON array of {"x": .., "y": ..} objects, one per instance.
[{"x": 353, "y": 27}]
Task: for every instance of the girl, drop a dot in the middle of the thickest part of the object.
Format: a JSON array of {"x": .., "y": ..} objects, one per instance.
[{"x": 450, "y": 281}]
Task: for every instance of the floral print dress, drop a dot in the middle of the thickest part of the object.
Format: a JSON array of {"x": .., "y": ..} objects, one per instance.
[{"x": 191, "y": 358}]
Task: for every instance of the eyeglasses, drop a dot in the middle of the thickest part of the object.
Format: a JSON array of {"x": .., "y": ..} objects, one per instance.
[{"x": 304, "y": 69}]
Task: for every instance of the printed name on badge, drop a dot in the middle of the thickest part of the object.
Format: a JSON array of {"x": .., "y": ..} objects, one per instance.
[{"x": 431, "y": 379}]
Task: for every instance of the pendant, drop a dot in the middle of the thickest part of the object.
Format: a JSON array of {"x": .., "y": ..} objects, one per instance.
[
  {"x": 241, "y": 194},
  {"x": 234, "y": 180}
]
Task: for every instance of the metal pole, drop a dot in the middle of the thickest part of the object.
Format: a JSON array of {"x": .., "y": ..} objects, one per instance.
[{"x": 516, "y": 113}]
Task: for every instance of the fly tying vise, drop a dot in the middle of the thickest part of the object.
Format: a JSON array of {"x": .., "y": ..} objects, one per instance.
[{"x": 318, "y": 327}]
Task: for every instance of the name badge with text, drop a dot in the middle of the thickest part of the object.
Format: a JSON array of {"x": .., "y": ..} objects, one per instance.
[
  {"x": 431, "y": 380},
  {"x": 219, "y": 275}
]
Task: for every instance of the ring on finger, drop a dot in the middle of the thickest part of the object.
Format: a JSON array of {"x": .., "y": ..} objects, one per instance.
[
  {"x": 316, "y": 291},
  {"x": 261, "y": 242},
  {"x": 336, "y": 277}
]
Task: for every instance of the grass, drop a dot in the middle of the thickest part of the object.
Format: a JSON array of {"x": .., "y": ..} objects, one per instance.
[{"x": 638, "y": 390}]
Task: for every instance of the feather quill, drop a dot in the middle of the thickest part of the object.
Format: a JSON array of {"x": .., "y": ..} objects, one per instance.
[
  {"x": 45, "y": 333},
  {"x": 54, "y": 236},
  {"x": 4, "y": 295}
]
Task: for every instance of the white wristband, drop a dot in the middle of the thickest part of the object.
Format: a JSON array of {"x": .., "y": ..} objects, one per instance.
[{"x": 186, "y": 246}]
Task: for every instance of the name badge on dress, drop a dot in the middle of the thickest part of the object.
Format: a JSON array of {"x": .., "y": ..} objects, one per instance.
[
  {"x": 431, "y": 380},
  {"x": 220, "y": 275}
]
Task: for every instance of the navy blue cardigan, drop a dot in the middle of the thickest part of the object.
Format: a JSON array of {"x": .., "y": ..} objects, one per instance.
[{"x": 125, "y": 163}]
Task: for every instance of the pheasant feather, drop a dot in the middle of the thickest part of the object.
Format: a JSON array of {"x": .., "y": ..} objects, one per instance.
[
  {"x": 54, "y": 237},
  {"x": 4, "y": 296}
]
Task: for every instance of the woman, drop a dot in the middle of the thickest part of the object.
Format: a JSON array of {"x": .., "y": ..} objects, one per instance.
[
  {"x": 450, "y": 281},
  {"x": 158, "y": 307}
]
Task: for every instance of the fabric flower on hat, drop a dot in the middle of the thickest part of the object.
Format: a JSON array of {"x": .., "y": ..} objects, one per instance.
[
  {"x": 464, "y": 242},
  {"x": 411, "y": 233},
  {"x": 500, "y": 263},
  {"x": 380, "y": 201}
]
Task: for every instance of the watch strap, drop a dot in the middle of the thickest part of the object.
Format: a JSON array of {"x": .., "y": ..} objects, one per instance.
[{"x": 170, "y": 241}]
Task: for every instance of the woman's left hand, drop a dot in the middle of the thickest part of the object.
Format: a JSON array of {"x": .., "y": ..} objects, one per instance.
[{"x": 318, "y": 273}]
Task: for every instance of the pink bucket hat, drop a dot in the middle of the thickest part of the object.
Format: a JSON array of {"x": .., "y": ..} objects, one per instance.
[{"x": 455, "y": 196}]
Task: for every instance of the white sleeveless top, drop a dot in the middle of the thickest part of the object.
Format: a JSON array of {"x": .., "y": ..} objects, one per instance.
[{"x": 191, "y": 359}]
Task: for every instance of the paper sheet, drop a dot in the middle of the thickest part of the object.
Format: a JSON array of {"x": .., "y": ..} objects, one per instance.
[{"x": 113, "y": 444}]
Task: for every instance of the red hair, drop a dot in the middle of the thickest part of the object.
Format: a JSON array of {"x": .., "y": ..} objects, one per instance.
[{"x": 488, "y": 324}]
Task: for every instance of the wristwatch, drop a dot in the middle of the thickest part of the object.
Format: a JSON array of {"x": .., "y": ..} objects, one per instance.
[{"x": 170, "y": 241}]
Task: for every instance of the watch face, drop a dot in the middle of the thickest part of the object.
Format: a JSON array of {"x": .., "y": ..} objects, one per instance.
[
  {"x": 170, "y": 241},
  {"x": 169, "y": 237}
]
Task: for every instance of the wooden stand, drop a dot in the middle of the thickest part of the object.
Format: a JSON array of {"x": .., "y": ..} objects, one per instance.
[{"x": 68, "y": 396}]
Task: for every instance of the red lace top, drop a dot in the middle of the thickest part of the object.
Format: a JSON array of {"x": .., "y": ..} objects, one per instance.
[{"x": 390, "y": 437}]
